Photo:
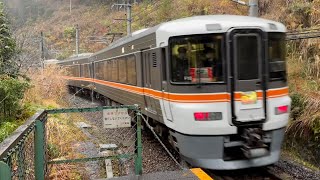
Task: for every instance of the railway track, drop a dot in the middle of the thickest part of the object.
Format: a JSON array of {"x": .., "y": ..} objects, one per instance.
[{"x": 246, "y": 174}]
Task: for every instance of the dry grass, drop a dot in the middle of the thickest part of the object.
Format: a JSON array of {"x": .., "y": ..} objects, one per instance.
[
  {"x": 49, "y": 90},
  {"x": 306, "y": 125},
  {"x": 62, "y": 136},
  {"x": 48, "y": 86}
]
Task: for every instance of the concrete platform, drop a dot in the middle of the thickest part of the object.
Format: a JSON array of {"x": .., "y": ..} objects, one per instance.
[{"x": 192, "y": 174}]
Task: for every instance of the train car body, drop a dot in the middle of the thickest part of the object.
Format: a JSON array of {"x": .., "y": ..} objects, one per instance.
[{"x": 214, "y": 85}]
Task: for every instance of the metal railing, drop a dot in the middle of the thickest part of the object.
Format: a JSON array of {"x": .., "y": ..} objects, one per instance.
[{"x": 24, "y": 155}]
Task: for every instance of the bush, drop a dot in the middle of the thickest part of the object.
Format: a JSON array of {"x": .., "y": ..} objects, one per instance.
[
  {"x": 297, "y": 105},
  {"x": 11, "y": 93},
  {"x": 6, "y": 129},
  {"x": 69, "y": 32}
]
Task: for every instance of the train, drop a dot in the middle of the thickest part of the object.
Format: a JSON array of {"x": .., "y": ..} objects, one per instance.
[{"x": 215, "y": 86}]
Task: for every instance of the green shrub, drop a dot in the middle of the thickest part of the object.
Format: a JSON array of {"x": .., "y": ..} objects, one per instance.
[
  {"x": 6, "y": 128},
  {"x": 11, "y": 92},
  {"x": 69, "y": 32},
  {"x": 297, "y": 105}
]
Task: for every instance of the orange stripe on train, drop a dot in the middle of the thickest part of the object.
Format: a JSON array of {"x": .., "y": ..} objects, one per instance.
[{"x": 185, "y": 98}]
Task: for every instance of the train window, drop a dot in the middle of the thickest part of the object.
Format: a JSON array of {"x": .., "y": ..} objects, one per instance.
[
  {"x": 114, "y": 76},
  {"x": 74, "y": 70},
  {"x": 86, "y": 71},
  {"x": 105, "y": 70},
  {"x": 122, "y": 70},
  {"x": 68, "y": 71},
  {"x": 276, "y": 56},
  {"x": 109, "y": 70},
  {"x": 131, "y": 69},
  {"x": 248, "y": 61},
  {"x": 196, "y": 59},
  {"x": 77, "y": 70},
  {"x": 99, "y": 70}
]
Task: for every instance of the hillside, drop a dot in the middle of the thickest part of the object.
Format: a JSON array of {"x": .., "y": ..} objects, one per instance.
[{"x": 96, "y": 19}]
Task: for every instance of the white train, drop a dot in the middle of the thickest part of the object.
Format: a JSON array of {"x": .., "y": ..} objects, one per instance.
[{"x": 215, "y": 86}]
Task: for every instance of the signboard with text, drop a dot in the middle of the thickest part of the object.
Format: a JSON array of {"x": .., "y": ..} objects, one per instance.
[{"x": 116, "y": 118}]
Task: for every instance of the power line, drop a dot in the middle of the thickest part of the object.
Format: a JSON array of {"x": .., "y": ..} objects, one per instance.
[
  {"x": 129, "y": 18},
  {"x": 299, "y": 36}
]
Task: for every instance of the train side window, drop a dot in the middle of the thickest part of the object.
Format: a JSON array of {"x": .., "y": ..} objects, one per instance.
[
  {"x": 131, "y": 68},
  {"x": 87, "y": 70},
  {"x": 69, "y": 70},
  {"x": 105, "y": 73},
  {"x": 75, "y": 70},
  {"x": 109, "y": 70},
  {"x": 276, "y": 56},
  {"x": 84, "y": 70},
  {"x": 98, "y": 70},
  {"x": 122, "y": 70},
  {"x": 101, "y": 70},
  {"x": 114, "y": 76}
]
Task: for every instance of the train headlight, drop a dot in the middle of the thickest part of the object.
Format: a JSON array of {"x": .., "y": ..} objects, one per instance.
[
  {"x": 207, "y": 116},
  {"x": 282, "y": 110}
]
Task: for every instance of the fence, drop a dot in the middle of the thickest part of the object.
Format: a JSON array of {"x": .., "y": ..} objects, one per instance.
[{"x": 29, "y": 152}]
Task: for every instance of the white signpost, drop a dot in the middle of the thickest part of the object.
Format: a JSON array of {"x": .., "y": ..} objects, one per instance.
[{"x": 116, "y": 118}]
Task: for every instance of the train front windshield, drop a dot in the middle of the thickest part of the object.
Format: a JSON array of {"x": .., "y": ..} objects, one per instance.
[
  {"x": 196, "y": 59},
  {"x": 276, "y": 56}
]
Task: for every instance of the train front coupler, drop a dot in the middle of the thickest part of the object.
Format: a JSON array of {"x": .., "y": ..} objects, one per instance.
[{"x": 254, "y": 146}]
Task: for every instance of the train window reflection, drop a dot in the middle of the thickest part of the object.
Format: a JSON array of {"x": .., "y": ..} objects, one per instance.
[
  {"x": 276, "y": 54},
  {"x": 196, "y": 59}
]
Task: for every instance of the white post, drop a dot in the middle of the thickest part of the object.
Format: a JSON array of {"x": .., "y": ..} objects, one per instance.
[
  {"x": 254, "y": 8},
  {"x": 70, "y": 6},
  {"x": 77, "y": 40}
]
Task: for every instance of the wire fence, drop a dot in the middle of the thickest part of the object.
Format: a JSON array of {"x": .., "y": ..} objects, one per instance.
[
  {"x": 18, "y": 152},
  {"x": 64, "y": 144}
]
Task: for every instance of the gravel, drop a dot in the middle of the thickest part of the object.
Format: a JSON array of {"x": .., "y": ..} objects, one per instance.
[
  {"x": 155, "y": 158},
  {"x": 295, "y": 170}
]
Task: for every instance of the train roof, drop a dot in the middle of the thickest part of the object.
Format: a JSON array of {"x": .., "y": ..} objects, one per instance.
[
  {"x": 200, "y": 25},
  {"x": 84, "y": 56}
]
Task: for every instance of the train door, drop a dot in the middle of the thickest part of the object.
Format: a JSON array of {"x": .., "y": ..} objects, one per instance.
[
  {"x": 164, "y": 85},
  {"x": 248, "y": 80},
  {"x": 147, "y": 81}
]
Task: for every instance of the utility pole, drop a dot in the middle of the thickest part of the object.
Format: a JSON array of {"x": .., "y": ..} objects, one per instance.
[
  {"x": 253, "y": 6},
  {"x": 41, "y": 50},
  {"x": 77, "y": 40},
  {"x": 129, "y": 16},
  {"x": 70, "y": 6}
]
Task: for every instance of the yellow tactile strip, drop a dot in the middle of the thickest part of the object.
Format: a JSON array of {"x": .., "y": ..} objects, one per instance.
[{"x": 200, "y": 174}]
